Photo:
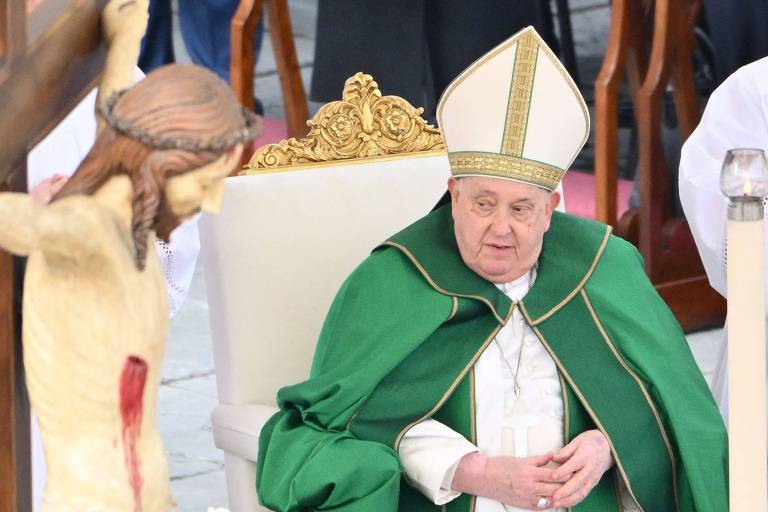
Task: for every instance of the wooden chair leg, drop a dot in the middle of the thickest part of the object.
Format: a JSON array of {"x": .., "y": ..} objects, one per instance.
[
  {"x": 296, "y": 112},
  {"x": 626, "y": 45},
  {"x": 606, "y": 92},
  {"x": 652, "y": 173},
  {"x": 242, "y": 28},
  {"x": 684, "y": 90}
]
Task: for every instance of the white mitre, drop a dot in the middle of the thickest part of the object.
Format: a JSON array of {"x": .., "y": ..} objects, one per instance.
[{"x": 515, "y": 113}]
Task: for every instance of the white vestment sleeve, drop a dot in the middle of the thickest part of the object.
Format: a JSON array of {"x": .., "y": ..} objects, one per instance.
[
  {"x": 430, "y": 453},
  {"x": 177, "y": 259}
]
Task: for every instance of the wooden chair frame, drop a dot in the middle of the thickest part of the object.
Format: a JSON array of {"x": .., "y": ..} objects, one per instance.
[
  {"x": 243, "y": 26},
  {"x": 653, "y": 61}
]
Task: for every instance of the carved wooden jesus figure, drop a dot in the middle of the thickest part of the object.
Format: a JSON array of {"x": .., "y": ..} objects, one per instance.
[{"x": 95, "y": 313}]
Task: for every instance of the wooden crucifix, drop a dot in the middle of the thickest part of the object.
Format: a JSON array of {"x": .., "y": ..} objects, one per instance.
[{"x": 51, "y": 55}]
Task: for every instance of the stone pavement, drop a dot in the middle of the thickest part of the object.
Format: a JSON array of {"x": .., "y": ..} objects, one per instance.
[
  {"x": 188, "y": 386},
  {"x": 188, "y": 390}
]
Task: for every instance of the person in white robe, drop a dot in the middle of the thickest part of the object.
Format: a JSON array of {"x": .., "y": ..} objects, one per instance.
[{"x": 736, "y": 116}]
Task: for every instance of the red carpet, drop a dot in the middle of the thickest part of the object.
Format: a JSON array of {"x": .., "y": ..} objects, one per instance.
[
  {"x": 579, "y": 191},
  {"x": 579, "y": 187},
  {"x": 274, "y": 131}
]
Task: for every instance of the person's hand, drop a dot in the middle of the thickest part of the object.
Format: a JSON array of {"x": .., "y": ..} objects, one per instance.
[
  {"x": 584, "y": 460},
  {"x": 519, "y": 482},
  {"x": 43, "y": 192}
]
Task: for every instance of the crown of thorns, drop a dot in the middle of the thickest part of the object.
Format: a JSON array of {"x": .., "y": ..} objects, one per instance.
[{"x": 216, "y": 145}]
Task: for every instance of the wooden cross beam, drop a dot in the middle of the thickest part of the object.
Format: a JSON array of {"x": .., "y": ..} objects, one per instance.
[{"x": 50, "y": 58}]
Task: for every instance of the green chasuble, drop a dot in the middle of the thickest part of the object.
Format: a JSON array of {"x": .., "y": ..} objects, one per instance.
[{"x": 399, "y": 344}]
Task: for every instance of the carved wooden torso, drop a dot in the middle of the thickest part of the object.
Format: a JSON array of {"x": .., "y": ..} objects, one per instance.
[{"x": 94, "y": 337}]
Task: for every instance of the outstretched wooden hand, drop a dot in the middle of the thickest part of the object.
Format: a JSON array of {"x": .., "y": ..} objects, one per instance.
[{"x": 124, "y": 23}]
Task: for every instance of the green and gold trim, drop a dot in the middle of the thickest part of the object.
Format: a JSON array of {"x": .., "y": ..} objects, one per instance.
[
  {"x": 519, "y": 102},
  {"x": 639, "y": 418},
  {"x": 476, "y": 163},
  {"x": 643, "y": 389},
  {"x": 454, "y": 384},
  {"x": 584, "y": 403},
  {"x": 582, "y": 282},
  {"x": 454, "y": 308},
  {"x": 434, "y": 285}
]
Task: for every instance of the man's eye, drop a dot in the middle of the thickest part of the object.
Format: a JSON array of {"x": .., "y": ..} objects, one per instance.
[{"x": 483, "y": 205}]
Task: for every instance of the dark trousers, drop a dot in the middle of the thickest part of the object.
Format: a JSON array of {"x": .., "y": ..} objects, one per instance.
[
  {"x": 157, "y": 45},
  {"x": 414, "y": 48},
  {"x": 204, "y": 28},
  {"x": 739, "y": 33}
]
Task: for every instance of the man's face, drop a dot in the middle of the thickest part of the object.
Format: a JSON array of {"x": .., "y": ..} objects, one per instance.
[{"x": 500, "y": 224}]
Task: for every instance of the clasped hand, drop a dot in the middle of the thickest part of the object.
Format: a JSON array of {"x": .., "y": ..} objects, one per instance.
[{"x": 522, "y": 482}]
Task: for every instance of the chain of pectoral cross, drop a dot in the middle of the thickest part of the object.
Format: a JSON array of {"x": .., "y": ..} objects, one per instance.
[{"x": 515, "y": 381}]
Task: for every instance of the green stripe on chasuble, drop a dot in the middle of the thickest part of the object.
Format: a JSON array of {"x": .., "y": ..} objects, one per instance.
[
  {"x": 605, "y": 496},
  {"x": 616, "y": 402},
  {"x": 413, "y": 391},
  {"x": 445, "y": 395}
]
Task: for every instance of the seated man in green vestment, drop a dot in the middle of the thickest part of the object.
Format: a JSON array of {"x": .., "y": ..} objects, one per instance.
[{"x": 498, "y": 355}]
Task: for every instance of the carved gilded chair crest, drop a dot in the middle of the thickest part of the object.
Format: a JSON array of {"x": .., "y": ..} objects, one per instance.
[{"x": 363, "y": 124}]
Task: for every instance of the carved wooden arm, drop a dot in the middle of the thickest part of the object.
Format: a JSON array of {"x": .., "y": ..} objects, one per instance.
[
  {"x": 124, "y": 23},
  {"x": 70, "y": 229}
]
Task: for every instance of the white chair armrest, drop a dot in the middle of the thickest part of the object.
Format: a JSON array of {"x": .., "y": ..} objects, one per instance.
[{"x": 236, "y": 428}]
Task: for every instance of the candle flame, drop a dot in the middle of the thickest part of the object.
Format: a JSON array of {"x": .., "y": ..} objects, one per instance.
[{"x": 747, "y": 186}]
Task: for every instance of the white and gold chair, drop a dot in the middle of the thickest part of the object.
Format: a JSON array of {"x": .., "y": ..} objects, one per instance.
[{"x": 294, "y": 224}]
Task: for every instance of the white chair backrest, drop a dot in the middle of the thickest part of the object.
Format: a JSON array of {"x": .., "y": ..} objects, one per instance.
[{"x": 282, "y": 246}]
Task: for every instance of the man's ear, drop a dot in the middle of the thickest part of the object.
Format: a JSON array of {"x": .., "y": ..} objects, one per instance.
[
  {"x": 554, "y": 200},
  {"x": 453, "y": 189}
]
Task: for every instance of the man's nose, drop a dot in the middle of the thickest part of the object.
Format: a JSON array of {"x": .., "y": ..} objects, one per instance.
[{"x": 501, "y": 225}]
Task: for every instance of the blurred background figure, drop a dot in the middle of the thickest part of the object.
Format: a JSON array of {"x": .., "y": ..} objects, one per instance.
[
  {"x": 157, "y": 45},
  {"x": 736, "y": 117},
  {"x": 205, "y": 27},
  {"x": 737, "y": 31},
  {"x": 414, "y": 47}
]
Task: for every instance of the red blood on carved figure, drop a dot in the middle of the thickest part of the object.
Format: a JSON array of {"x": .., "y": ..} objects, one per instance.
[{"x": 132, "y": 382}]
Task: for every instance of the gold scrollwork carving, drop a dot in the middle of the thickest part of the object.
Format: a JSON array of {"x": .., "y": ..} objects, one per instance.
[{"x": 363, "y": 124}]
